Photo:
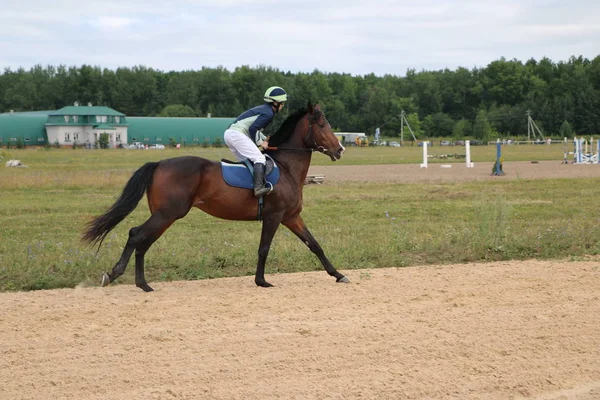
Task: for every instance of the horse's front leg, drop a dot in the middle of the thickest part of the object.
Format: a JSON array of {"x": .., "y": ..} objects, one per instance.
[
  {"x": 269, "y": 227},
  {"x": 296, "y": 225}
]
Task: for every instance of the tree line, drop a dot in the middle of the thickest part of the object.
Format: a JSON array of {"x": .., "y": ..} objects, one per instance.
[{"x": 483, "y": 103}]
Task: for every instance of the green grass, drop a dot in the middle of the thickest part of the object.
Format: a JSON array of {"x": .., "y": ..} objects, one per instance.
[
  {"x": 43, "y": 209},
  {"x": 77, "y": 160}
]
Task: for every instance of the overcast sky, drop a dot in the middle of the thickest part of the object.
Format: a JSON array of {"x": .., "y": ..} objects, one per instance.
[{"x": 347, "y": 36}]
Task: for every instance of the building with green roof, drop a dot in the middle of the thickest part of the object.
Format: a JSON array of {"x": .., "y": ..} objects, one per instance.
[
  {"x": 152, "y": 130},
  {"x": 83, "y": 125},
  {"x": 25, "y": 127}
]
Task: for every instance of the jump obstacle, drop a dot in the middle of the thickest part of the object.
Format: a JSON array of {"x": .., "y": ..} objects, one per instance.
[
  {"x": 582, "y": 154},
  {"x": 468, "y": 162},
  {"x": 318, "y": 179},
  {"x": 496, "y": 171}
]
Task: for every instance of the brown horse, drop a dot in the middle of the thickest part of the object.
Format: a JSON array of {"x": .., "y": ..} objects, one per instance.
[{"x": 175, "y": 185}]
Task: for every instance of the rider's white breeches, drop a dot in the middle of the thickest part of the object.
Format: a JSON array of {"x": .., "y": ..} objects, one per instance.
[{"x": 242, "y": 147}]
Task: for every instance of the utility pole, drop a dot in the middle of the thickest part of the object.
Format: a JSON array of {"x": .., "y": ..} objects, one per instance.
[
  {"x": 402, "y": 122},
  {"x": 402, "y": 128},
  {"x": 532, "y": 127}
]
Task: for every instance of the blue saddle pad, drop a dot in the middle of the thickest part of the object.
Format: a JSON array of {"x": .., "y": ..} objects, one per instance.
[{"x": 239, "y": 175}]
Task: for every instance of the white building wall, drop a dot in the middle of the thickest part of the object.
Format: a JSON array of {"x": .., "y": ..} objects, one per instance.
[{"x": 67, "y": 135}]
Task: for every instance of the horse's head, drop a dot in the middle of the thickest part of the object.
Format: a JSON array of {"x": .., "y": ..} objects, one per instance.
[{"x": 320, "y": 136}]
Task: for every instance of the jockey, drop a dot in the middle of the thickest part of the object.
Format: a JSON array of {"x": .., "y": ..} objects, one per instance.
[{"x": 244, "y": 136}]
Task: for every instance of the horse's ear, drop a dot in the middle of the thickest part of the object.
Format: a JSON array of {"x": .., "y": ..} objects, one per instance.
[{"x": 310, "y": 108}]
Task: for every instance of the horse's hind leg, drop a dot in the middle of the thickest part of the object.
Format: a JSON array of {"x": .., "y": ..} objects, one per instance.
[
  {"x": 149, "y": 233},
  {"x": 270, "y": 225},
  {"x": 140, "y": 240},
  {"x": 121, "y": 265},
  {"x": 296, "y": 225}
]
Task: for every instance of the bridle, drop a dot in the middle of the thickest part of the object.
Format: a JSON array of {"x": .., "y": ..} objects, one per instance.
[{"x": 311, "y": 147}]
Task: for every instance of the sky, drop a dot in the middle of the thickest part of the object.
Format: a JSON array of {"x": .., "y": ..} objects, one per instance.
[{"x": 358, "y": 37}]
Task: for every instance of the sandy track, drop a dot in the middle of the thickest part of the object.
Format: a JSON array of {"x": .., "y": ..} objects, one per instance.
[
  {"x": 412, "y": 173},
  {"x": 488, "y": 331}
]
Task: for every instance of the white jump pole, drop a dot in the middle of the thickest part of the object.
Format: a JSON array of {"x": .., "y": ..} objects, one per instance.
[
  {"x": 469, "y": 164},
  {"x": 424, "y": 164}
]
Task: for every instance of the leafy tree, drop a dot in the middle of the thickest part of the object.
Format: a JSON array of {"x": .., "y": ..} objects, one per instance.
[
  {"x": 461, "y": 129},
  {"x": 415, "y": 124},
  {"x": 505, "y": 90},
  {"x": 482, "y": 129},
  {"x": 566, "y": 130},
  {"x": 504, "y": 82},
  {"x": 508, "y": 120},
  {"x": 177, "y": 110},
  {"x": 103, "y": 141},
  {"x": 425, "y": 90},
  {"x": 181, "y": 88},
  {"x": 438, "y": 125}
]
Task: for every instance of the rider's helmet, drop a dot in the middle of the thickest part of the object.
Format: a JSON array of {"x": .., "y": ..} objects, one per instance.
[{"x": 275, "y": 94}]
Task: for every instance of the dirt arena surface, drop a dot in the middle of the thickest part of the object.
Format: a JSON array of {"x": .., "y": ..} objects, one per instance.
[
  {"x": 510, "y": 330},
  {"x": 413, "y": 173},
  {"x": 477, "y": 331}
]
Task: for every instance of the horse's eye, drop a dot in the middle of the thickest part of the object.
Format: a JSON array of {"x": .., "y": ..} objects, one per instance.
[{"x": 321, "y": 125}]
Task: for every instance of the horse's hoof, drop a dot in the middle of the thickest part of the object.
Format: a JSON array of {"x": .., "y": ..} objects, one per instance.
[
  {"x": 343, "y": 279},
  {"x": 145, "y": 287},
  {"x": 264, "y": 284},
  {"x": 105, "y": 280}
]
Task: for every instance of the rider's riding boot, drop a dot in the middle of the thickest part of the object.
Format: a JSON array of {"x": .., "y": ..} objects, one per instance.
[{"x": 259, "y": 180}]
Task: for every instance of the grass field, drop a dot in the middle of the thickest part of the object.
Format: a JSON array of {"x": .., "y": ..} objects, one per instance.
[{"x": 43, "y": 209}]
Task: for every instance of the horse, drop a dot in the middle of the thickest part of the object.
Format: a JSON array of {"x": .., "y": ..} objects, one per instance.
[{"x": 173, "y": 186}]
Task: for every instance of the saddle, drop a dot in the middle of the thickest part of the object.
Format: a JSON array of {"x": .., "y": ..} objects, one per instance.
[{"x": 240, "y": 174}]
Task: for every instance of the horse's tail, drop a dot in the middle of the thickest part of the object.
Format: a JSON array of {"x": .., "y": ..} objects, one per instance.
[{"x": 134, "y": 190}]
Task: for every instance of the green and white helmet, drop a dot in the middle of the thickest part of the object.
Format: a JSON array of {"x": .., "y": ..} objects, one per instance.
[{"x": 275, "y": 93}]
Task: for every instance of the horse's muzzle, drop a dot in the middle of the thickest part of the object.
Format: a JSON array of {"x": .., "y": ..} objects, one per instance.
[
  {"x": 333, "y": 154},
  {"x": 337, "y": 154}
]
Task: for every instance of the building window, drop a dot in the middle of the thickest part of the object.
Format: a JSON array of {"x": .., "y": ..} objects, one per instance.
[
  {"x": 75, "y": 118},
  {"x": 118, "y": 137},
  {"x": 27, "y": 139},
  {"x": 98, "y": 119},
  {"x": 117, "y": 120},
  {"x": 67, "y": 119},
  {"x": 104, "y": 119},
  {"x": 76, "y": 136},
  {"x": 67, "y": 137},
  {"x": 159, "y": 139}
]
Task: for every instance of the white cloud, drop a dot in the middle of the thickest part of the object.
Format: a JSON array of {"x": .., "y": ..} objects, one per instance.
[
  {"x": 380, "y": 36},
  {"x": 110, "y": 23}
]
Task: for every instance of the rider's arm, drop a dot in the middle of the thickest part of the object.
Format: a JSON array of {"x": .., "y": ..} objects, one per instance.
[{"x": 259, "y": 123}]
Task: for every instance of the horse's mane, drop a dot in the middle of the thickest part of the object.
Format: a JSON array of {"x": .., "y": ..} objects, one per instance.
[{"x": 287, "y": 128}]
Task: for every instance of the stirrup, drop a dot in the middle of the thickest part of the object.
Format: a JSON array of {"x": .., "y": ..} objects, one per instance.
[{"x": 258, "y": 192}]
